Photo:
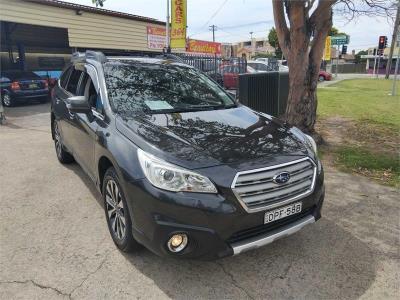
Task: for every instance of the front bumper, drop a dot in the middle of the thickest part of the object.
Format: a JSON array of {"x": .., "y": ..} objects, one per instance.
[{"x": 216, "y": 224}]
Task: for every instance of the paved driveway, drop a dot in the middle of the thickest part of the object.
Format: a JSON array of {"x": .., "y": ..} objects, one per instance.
[{"x": 54, "y": 241}]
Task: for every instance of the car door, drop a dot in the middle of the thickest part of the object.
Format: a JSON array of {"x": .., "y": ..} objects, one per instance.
[
  {"x": 59, "y": 107},
  {"x": 84, "y": 127}
]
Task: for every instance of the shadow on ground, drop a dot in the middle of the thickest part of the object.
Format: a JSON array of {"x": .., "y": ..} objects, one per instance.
[
  {"x": 27, "y": 109},
  {"x": 322, "y": 261}
]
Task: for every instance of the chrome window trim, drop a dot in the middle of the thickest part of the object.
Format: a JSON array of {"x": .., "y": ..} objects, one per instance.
[{"x": 280, "y": 203}]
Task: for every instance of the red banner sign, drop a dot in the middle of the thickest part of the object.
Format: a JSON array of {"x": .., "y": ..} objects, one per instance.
[{"x": 203, "y": 47}]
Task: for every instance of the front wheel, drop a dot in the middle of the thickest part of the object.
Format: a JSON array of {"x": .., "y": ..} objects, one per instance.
[
  {"x": 7, "y": 100},
  {"x": 63, "y": 156},
  {"x": 321, "y": 78},
  {"x": 117, "y": 213}
]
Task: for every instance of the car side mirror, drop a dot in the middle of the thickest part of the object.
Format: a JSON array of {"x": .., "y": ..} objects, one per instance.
[{"x": 78, "y": 104}]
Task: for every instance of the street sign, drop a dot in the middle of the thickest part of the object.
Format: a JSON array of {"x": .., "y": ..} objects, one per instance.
[{"x": 340, "y": 39}]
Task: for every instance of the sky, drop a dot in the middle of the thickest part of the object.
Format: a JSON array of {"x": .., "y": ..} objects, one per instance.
[{"x": 235, "y": 19}]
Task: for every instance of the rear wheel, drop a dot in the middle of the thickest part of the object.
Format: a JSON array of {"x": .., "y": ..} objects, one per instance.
[
  {"x": 321, "y": 78},
  {"x": 117, "y": 213},
  {"x": 63, "y": 156},
  {"x": 7, "y": 100}
]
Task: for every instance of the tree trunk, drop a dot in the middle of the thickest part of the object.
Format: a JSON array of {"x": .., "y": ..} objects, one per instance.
[
  {"x": 301, "y": 107},
  {"x": 303, "y": 55}
]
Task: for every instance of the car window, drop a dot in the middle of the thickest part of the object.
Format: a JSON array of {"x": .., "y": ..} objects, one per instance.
[
  {"x": 73, "y": 81},
  {"x": 86, "y": 88},
  {"x": 136, "y": 87},
  {"x": 64, "y": 77}
]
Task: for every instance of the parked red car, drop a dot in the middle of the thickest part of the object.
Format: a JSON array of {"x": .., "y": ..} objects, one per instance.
[
  {"x": 230, "y": 75},
  {"x": 323, "y": 75}
]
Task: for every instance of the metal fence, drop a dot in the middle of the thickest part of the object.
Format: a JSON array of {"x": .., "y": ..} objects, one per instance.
[
  {"x": 224, "y": 71},
  {"x": 266, "y": 92}
]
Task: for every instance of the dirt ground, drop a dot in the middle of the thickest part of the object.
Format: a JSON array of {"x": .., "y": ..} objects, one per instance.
[{"x": 54, "y": 241}]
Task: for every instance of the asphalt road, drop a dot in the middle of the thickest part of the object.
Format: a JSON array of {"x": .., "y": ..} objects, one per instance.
[{"x": 54, "y": 241}]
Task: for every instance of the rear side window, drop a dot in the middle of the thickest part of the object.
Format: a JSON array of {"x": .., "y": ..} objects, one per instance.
[
  {"x": 64, "y": 77},
  {"x": 73, "y": 81}
]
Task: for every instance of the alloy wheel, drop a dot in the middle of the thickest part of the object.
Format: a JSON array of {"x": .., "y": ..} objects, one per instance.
[
  {"x": 6, "y": 100},
  {"x": 115, "y": 209},
  {"x": 57, "y": 139}
]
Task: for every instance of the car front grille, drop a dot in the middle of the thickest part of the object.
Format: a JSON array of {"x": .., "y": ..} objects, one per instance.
[{"x": 256, "y": 189}]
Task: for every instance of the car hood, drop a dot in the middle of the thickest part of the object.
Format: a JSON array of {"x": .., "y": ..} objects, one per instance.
[{"x": 208, "y": 138}]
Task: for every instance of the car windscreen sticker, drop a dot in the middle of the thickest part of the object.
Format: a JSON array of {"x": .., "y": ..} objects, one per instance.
[{"x": 157, "y": 104}]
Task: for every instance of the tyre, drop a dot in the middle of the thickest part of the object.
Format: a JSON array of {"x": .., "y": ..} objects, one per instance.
[
  {"x": 63, "y": 156},
  {"x": 321, "y": 78},
  {"x": 7, "y": 100},
  {"x": 117, "y": 213}
]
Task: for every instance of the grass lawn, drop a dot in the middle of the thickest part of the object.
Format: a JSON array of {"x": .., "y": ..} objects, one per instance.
[
  {"x": 361, "y": 99},
  {"x": 369, "y": 127}
]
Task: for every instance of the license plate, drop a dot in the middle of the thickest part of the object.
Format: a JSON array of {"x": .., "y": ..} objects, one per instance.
[
  {"x": 283, "y": 212},
  {"x": 33, "y": 86}
]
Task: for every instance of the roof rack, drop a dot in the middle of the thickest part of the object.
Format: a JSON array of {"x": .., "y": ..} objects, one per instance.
[
  {"x": 89, "y": 54},
  {"x": 170, "y": 57}
]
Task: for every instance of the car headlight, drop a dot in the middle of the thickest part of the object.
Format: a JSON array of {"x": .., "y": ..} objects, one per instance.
[
  {"x": 311, "y": 143},
  {"x": 305, "y": 138},
  {"x": 169, "y": 177}
]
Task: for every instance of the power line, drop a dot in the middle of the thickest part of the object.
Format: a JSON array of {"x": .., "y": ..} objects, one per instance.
[
  {"x": 212, "y": 17},
  {"x": 248, "y": 24},
  {"x": 215, "y": 13}
]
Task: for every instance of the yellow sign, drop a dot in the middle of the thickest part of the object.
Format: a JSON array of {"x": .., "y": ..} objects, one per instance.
[
  {"x": 327, "y": 51},
  {"x": 178, "y": 23}
]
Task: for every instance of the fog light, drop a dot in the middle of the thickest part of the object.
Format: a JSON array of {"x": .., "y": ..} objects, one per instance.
[{"x": 177, "y": 242}]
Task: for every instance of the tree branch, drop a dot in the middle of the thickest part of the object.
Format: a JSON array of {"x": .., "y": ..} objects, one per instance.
[{"x": 281, "y": 26}]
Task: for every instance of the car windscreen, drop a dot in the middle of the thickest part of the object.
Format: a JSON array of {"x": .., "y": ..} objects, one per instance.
[
  {"x": 136, "y": 87},
  {"x": 19, "y": 75}
]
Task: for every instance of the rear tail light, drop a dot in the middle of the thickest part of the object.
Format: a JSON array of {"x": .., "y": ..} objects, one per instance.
[{"x": 15, "y": 86}]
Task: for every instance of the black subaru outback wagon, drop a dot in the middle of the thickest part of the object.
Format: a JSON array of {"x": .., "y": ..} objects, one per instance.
[{"x": 182, "y": 167}]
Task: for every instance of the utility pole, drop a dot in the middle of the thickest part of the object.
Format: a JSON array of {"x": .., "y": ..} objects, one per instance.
[
  {"x": 167, "y": 38},
  {"x": 396, "y": 69},
  {"x": 337, "y": 61},
  {"x": 379, "y": 63},
  {"x": 213, "y": 28},
  {"x": 395, "y": 31},
  {"x": 251, "y": 44}
]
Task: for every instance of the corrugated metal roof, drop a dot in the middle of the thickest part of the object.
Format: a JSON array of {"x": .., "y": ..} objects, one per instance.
[{"x": 96, "y": 10}]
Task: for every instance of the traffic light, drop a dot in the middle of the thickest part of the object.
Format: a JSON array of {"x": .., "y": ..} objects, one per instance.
[
  {"x": 382, "y": 42},
  {"x": 344, "y": 49}
]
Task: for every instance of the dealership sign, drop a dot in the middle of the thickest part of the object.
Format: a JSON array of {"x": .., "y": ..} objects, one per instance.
[
  {"x": 178, "y": 23},
  {"x": 327, "y": 51},
  {"x": 156, "y": 37},
  {"x": 203, "y": 47}
]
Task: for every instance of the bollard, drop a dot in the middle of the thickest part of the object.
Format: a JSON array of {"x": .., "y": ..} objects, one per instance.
[{"x": 2, "y": 116}]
